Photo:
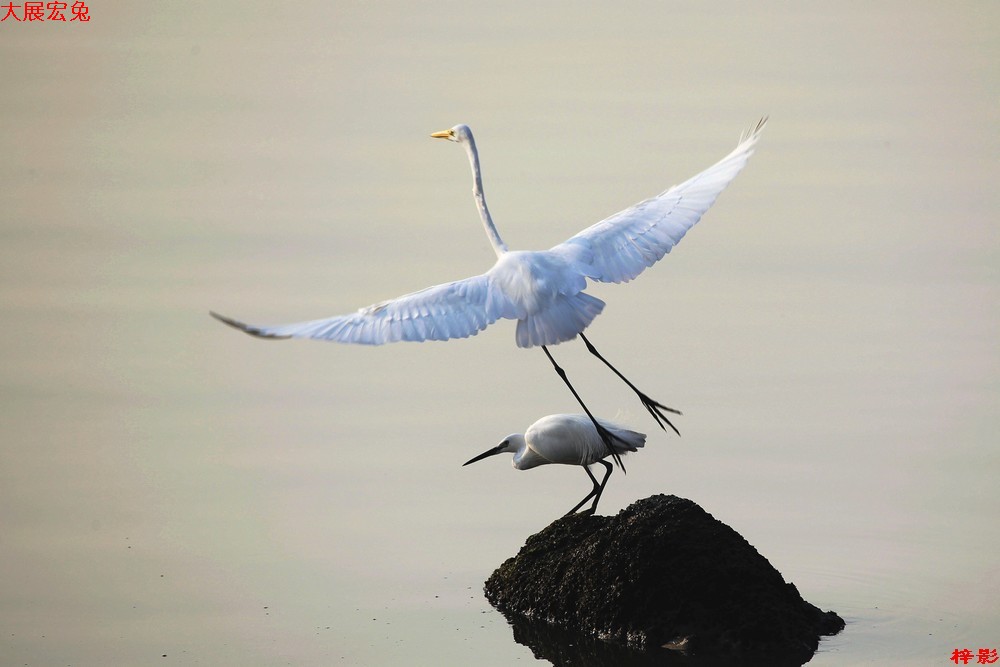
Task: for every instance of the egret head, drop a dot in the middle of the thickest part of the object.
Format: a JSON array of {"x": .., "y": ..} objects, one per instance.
[
  {"x": 509, "y": 445},
  {"x": 458, "y": 134}
]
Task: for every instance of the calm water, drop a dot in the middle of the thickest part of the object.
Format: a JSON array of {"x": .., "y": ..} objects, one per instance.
[{"x": 171, "y": 488}]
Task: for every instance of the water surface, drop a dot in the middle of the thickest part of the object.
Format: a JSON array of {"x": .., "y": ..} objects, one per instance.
[{"x": 171, "y": 488}]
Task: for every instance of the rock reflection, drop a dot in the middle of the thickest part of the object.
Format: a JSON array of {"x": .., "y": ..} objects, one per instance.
[{"x": 563, "y": 647}]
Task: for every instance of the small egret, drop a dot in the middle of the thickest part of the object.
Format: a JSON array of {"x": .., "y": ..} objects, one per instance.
[
  {"x": 569, "y": 440},
  {"x": 543, "y": 290}
]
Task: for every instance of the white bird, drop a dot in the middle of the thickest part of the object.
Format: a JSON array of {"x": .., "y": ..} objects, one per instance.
[
  {"x": 569, "y": 440},
  {"x": 543, "y": 290}
]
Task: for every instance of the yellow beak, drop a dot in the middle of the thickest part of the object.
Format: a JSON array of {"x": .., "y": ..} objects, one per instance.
[{"x": 443, "y": 134}]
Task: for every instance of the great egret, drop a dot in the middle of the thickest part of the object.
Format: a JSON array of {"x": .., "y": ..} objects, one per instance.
[
  {"x": 543, "y": 290},
  {"x": 569, "y": 440}
]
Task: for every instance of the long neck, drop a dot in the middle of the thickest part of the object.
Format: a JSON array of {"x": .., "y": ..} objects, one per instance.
[{"x": 477, "y": 190}]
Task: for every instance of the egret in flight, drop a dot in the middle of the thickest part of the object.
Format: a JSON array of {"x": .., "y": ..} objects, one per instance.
[
  {"x": 542, "y": 289},
  {"x": 569, "y": 440}
]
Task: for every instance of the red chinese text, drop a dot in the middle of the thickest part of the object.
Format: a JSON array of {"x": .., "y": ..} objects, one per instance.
[
  {"x": 984, "y": 656},
  {"x": 31, "y": 12}
]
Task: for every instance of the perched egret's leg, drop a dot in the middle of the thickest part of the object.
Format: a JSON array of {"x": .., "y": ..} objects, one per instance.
[
  {"x": 606, "y": 435},
  {"x": 597, "y": 490},
  {"x": 654, "y": 408}
]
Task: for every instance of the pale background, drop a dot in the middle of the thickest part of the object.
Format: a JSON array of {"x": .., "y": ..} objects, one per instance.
[{"x": 171, "y": 487}]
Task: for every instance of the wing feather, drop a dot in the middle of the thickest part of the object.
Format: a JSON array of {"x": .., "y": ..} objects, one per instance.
[
  {"x": 619, "y": 248},
  {"x": 457, "y": 309}
]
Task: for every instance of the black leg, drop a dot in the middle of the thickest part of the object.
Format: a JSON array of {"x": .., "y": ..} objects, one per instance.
[
  {"x": 605, "y": 434},
  {"x": 593, "y": 492},
  {"x": 653, "y": 407},
  {"x": 609, "y": 467},
  {"x": 596, "y": 491}
]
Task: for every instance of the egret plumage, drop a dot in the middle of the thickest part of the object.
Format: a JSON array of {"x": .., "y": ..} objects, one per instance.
[
  {"x": 543, "y": 290},
  {"x": 569, "y": 440}
]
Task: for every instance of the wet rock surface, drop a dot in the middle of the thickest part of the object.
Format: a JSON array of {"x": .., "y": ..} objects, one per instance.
[{"x": 661, "y": 573}]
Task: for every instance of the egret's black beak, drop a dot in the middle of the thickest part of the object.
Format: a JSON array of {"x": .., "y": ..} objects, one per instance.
[{"x": 489, "y": 452}]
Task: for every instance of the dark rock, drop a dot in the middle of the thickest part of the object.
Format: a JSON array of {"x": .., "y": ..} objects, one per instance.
[{"x": 662, "y": 573}]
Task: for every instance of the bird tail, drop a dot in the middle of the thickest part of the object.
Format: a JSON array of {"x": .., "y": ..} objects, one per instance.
[
  {"x": 625, "y": 440},
  {"x": 561, "y": 321}
]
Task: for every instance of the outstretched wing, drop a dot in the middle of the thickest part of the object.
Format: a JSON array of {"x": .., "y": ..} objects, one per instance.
[
  {"x": 453, "y": 310},
  {"x": 619, "y": 248}
]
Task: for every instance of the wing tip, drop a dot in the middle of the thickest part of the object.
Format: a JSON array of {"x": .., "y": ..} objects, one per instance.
[
  {"x": 256, "y": 332},
  {"x": 753, "y": 131}
]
